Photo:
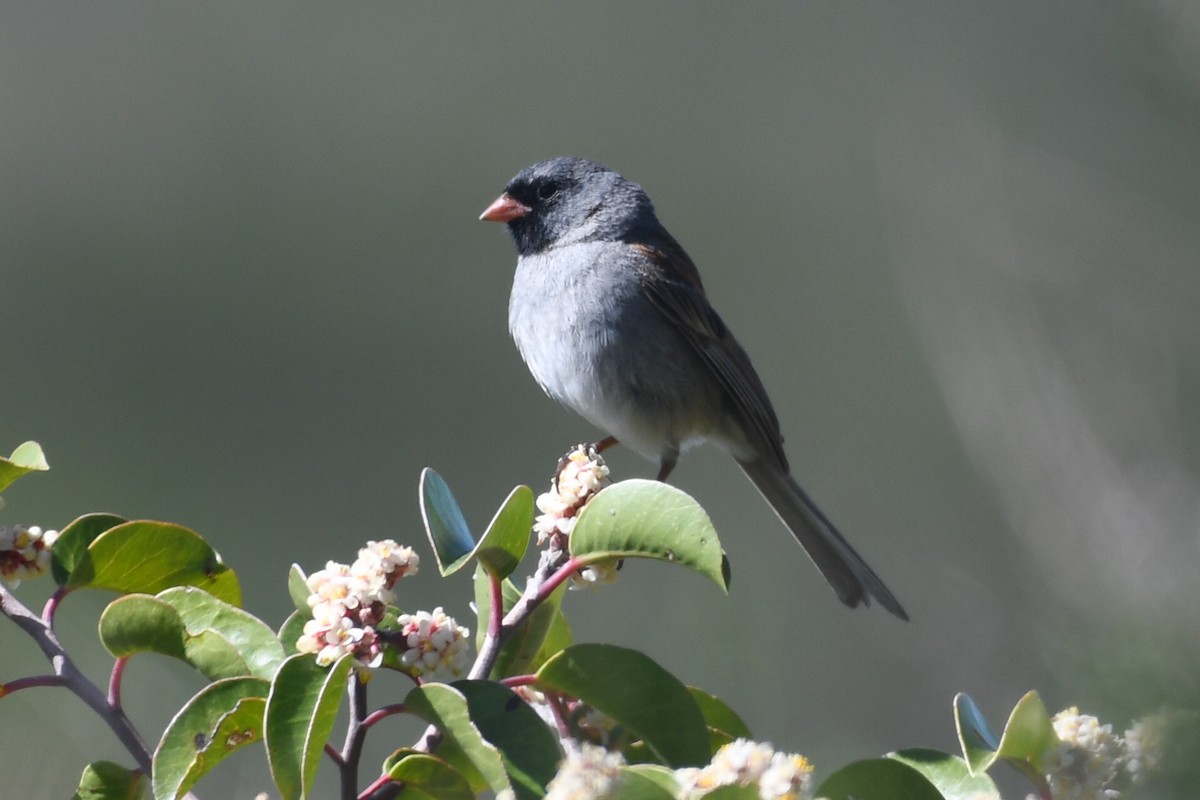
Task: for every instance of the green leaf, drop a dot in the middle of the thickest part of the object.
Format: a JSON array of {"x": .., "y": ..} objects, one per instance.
[
  {"x": 878, "y": 779},
  {"x": 446, "y": 708},
  {"x": 637, "y": 693},
  {"x": 543, "y": 633},
  {"x": 444, "y": 523},
  {"x": 25, "y": 459},
  {"x": 291, "y": 630},
  {"x": 648, "y": 519},
  {"x": 647, "y": 782},
  {"x": 431, "y": 776},
  {"x": 724, "y": 725},
  {"x": 301, "y": 710},
  {"x": 502, "y": 545},
  {"x": 223, "y": 717},
  {"x": 142, "y": 623},
  {"x": 71, "y": 546},
  {"x": 504, "y": 542},
  {"x": 529, "y": 750},
  {"x": 147, "y": 557},
  {"x": 297, "y": 583},
  {"x": 219, "y": 640},
  {"x": 104, "y": 780},
  {"x": 256, "y": 649},
  {"x": 733, "y": 793},
  {"x": 949, "y": 774},
  {"x": 1028, "y": 735}
]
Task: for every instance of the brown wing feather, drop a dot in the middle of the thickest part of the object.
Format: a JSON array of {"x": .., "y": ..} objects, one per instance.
[{"x": 675, "y": 289}]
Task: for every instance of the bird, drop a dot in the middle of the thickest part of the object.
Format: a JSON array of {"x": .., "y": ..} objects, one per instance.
[{"x": 609, "y": 314}]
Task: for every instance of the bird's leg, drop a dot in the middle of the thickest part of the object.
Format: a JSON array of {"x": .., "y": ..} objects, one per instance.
[
  {"x": 666, "y": 466},
  {"x": 605, "y": 443}
]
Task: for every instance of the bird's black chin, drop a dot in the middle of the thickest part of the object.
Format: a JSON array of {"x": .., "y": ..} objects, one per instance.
[{"x": 529, "y": 234}]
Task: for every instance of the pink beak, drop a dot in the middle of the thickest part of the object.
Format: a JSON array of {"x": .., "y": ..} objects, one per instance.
[{"x": 505, "y": 209}]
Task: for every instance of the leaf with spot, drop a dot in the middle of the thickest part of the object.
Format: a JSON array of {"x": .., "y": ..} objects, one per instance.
[{"x": 223, "y": 717}]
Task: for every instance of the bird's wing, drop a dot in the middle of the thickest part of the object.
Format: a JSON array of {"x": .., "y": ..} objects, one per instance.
[{"x": 676, "y": 291}]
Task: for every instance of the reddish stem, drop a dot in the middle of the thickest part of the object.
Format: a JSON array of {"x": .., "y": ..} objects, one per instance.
[
  {"x": 51, "y": 606},
  {"x": 496, "y": 612},
  {"x": 382, "y": 714},
  {"x": 376, "y": 785},
  {"x": 31, "y": 682},
  {"x": 519, "y": 680},
  {"x": 114, "y": 682},
  {"x": 333, "y": 753},
  {"x": 568, "y": 569}
]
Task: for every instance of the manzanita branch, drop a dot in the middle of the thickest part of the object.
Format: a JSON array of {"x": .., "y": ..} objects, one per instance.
[
  {"x": 355, "y": 735},
  {"x": 70, "y": 676}
]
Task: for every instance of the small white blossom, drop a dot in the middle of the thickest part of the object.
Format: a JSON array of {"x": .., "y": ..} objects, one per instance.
[
  {"x": 789, "y": 777},
  {"x": 1158, "y": 740},
  {"x": 349, "y": 600},
  {"x": 742, "y": 762},
  {"x": 24, "y": 552},
  {"x": 435, "y": 646},
  {"x": 1085, "y": 763},
  {"x": 580, "y": 477},
  {"x": 591, "y": 773},
  {"x": 595, "y": 575}
]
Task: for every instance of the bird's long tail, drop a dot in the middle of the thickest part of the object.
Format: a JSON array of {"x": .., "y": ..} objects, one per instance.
[{"x": 844, "y": 569}]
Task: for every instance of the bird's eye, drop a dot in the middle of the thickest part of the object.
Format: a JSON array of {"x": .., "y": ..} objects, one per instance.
[{"x": 547, "y": 191}]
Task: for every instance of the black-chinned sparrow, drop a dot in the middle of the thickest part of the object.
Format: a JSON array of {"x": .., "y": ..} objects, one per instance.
[{"x": 610, "y": 315}]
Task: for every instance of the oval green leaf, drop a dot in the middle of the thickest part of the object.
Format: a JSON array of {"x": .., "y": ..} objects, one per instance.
[
  {"x": 445, "y": 524},
  {"x": 104, "y": 780},
  {"x": 255, "y": 646},
  {"x": 147, "y": 557},
  {"x": 1029, "y": 735},
  {"x": 636, "y": 692},
  {"x": 949, "y": 773},
  {"x": 25, "y": 459},
  {"x": 72, "y": 543},
  {"x": 647, "y": 782},
  {"x": 446, "y": 708},
  {"x": 142, "y": 623},
  {"x": 649, "y": 519},
  {"x": 504, "y": 542},
  {"x": 431, "y": 776},
  {"x": 223, "y": 717},
  {"x": 291, "y": 630},
  {"x": 975, "y": 736},
  {"x": 878, "y": 779},
  {"x": 297, "y": 584},
  {"x": 301, "y": 710},
  {"x": 724, "y": 725},
  {"x": 529, "y": 750}
]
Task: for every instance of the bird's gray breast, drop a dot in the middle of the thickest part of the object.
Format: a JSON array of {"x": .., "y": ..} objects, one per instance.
[{"x": 596, "y": 343}]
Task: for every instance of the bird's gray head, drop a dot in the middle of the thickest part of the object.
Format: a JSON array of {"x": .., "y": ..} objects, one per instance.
[{"x": 566, "y": 200}]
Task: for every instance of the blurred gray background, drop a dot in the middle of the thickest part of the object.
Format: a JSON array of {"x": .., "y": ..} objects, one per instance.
[{"x": 245, "y": 290}]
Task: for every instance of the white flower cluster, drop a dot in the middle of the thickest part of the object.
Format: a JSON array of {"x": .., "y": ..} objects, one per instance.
[
  {"x": 435, "y": 646},
  {"x": 742, "y": 762},
  {"x": 349, "y": 601},
  {"x": 589, "y": 773},
  {"x": 1087, "y": 760},
  {"x": 1090, "y": 762},
  {"x": 24, "y": 552},
  {"x": 581, "y": 475}
]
